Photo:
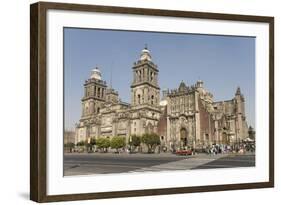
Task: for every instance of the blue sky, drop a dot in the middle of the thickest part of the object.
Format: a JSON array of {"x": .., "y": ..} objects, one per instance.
[{"x": 222, "y": 62}]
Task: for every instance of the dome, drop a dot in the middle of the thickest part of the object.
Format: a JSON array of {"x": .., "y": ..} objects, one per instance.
[
  {"x": 163, "y": 102},
  {"x": 145, "y": 50},
  {"x": 96, "y": 74},
  {"x": 145, "y": 54}
]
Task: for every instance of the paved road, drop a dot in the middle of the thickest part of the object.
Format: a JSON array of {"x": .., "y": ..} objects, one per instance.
[
  {"x": 105, "y": 163},
  {"x": 113, "y": 163},
  {"x": 247, "y": 160}
]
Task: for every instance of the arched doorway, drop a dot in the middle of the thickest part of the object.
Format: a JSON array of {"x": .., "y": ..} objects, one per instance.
[
  {"x": 225, "y": 138},
  {"x": 149, "y": 128},
  {"x": 183, "y": 137}
]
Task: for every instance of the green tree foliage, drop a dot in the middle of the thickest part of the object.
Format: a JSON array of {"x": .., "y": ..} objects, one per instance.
[
  {"x": 69, "y": 146},
  {"x": 81, "y": 143},
  {"x": 135, "y": 141},
  {"x": 151, "y": 141},
  {"x": 90, "y": 144},
  {"x": 92, "y": 141},
  {"x": 103, "y": 143},
  {"x": 117, "y": 143}
]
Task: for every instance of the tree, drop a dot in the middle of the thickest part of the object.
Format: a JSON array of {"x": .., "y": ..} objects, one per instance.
[
  {"x": 93, "y": 141},
  {"x": 135, "y": 141},
  {"x": 80, "y": 143},
  {"x": 117, "y": 143},
  {"x": 151, "y": 141},
  {"x": 90, "y": 144},
  {"x": 70, "y": 146},
  {"x": 103, "y": 143}
]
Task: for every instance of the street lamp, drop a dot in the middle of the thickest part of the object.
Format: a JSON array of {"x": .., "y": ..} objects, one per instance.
[
  {"x": 194, "y": 145},
  {"x": 130, "y": 143},
  {"x": 88, "y": 146}
]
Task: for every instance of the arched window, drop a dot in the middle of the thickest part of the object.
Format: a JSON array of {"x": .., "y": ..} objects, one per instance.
[
  {"x": 98, "y": 92},
  {"x": 139, "y": 76},
  {"x": 139, "y": 98},
  {"x": 152, "y": 99},
  {"x": 207, "y": 137},
  {"x": 98, "y": 110}
]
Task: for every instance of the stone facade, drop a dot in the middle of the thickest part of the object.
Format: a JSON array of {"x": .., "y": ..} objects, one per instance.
[
  {"x": 69, "y": 137},
  {"x": 184, "y": 117}
]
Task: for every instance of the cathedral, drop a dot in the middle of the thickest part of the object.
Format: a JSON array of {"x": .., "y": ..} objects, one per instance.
[{"x": 185, "y": 116}]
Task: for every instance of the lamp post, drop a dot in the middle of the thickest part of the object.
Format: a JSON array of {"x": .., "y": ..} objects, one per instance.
[
  {"x": 89, "y": 145},
  {"x": 194, "y": 145},
  {"x": 130, "y": 142}
]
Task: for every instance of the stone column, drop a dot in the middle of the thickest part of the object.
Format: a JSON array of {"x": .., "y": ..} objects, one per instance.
[{"x": 197, "y": 117}]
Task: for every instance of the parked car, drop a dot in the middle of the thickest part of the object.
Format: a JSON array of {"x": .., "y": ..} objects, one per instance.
[{"x": 184, "y": 152}]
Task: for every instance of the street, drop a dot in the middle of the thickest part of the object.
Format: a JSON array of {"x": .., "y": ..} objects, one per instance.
[
  {"x": 106, "y": 163},
  {"x": 230, "y": 161}
]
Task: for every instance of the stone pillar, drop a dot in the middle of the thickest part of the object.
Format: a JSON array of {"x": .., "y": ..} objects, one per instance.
[
  {"x": 114, "y": 127},
  {"x": 197, "y": 117},
  {"x": 91, "y": 107}
]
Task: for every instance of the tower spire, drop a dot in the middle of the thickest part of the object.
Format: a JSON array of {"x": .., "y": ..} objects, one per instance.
[{"x": 238, "y": 91}]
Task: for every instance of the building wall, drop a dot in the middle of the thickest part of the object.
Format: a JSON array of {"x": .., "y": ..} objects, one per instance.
[{"x": 207, "y": 125}]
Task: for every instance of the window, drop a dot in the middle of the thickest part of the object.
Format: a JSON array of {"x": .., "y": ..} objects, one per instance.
[
  {"x": 152, "y": 98},
  {"x": 98, "y": 92},
  {"x": 139, "y": 99}
]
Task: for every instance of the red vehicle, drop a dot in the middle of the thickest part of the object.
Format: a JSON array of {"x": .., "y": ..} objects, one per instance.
[{"x": 184, "y": 152}]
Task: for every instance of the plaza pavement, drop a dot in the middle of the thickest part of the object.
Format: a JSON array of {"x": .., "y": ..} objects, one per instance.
[
  {"x": 108, "y": 163},
  {"x": 190, "y": 162}
]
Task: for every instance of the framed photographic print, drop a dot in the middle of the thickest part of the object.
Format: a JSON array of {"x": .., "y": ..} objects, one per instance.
[{"x": 135, "y": 102}]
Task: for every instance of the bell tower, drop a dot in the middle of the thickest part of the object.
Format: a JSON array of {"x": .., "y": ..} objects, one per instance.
[
  {"x": 94, "y": 94},
  {"x": 145, "y": 95},
  {"x": 144, "y": 88}
]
